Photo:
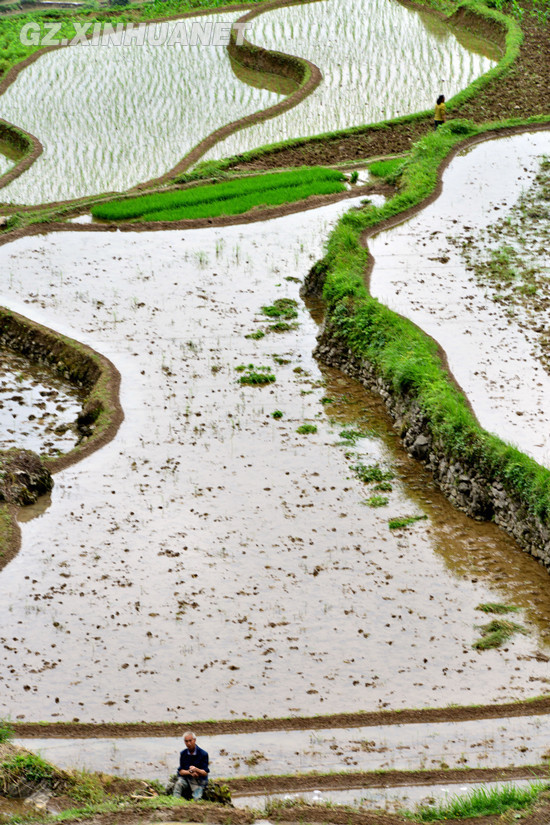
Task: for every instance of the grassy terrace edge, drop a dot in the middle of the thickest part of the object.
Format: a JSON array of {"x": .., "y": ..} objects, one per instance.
[{"x": 403, "y": 356}]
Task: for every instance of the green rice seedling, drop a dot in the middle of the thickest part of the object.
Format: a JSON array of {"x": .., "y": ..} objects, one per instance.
[
  {"x": 240, "y": 204},
  {"x": 354, "y": 177},
  {"x": 281, "y": 308},
  {"x": 377, "y": 501},
  {"x": 281, "y": 326},
  {"x": 495, "y": 607},
  {"x": 255, "y": 376},
  {"x": 404, "y": 521},
  {"x": 207, "y": 200},
  {"x": 277, "y": 414},
  {"x": 368, "y": 473},
  {"x": 496, "y": 633},
  {"x": 384, "y": 487},
  {"x": 480, "y": 802},
  {"x": 256, "y": 335},
  {"x": 306, "y": 429}
]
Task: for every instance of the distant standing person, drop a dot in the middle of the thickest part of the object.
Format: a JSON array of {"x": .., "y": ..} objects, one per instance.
[
  {"x": 440, "y": 114},
  {"x": 193, "y": 769}
]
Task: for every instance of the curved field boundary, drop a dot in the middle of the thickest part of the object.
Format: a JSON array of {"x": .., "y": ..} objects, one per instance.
[
  {"x": 495, "y": 26},
  {"x": 79, "y": 364},
  {"x": 26, "y": 143},
  {"x": 504, "y": 484},
  {"x": 378, "y": 718},
  {"x": 305, "y": 73}
]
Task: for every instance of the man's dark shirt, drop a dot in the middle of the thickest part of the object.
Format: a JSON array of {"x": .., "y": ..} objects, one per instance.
[{"x": 199, "y": 759}]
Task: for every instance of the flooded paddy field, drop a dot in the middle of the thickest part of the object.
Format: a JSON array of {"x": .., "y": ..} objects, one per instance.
[
  {"x": 422, "y": 273},
  {"x": 112, "y": 116},
  {"x": 362, "y": 83},
  {"x": 149, "y": 99},
  {"x": 490, "y": 743},
  {"x": 393, "y": 799},
  {"x": 38, "y": 411},
  {"x": 220, "y": 556}
]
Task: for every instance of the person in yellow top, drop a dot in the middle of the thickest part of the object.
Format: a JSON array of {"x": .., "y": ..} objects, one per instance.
[{"x": 440, "y": 115}]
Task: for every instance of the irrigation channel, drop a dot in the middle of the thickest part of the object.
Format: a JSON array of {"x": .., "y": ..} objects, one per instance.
[{"x": 116, "y": 115}]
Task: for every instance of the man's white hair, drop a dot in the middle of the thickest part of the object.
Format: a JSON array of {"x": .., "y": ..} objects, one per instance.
[{"x": 189, "y": 733}]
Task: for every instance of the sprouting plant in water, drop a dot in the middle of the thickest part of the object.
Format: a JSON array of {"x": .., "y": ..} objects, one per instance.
[
  {"x": 255, "y": 376},
  {"x": 371, "y": 472},
  {"x": 306, "y": 429},
  {"x": 404, "y": 521},
  {"x": 496, "y": 607},
  {"x": 277, "y": 414},
  {"x": 496, "y": 632},
  {"x": 377, "y": 501}
]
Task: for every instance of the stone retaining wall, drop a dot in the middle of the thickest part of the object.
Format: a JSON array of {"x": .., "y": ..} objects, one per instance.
[{"x": 464, "y": 485}]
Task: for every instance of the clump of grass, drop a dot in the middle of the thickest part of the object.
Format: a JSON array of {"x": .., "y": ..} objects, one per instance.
[
  {"x": 371, "y": 472},
  {"x": 390, "y": 170},
  {"x": 404, "y": 521},
  {"x": 377, "y": 501},
  {"x": 352, "y": 435},
  {"x": 256, "y": 335},
  {"x": 306, "y": 429},
  {"x": 255, "y": 376},
  {"x": 495, "y": 607},
  {"x": 496, "y": 633},
  {"x": 277, "y": 414},
  {"x": 481, "y": 802},
  {"x": 6, "y": 730},
  {"x": 281, "y": 326},
  {"x": 282, "y": 308},
  {"x": 384, "y": 487},
  {"x": 24, "y": 767},
  {"x": 354, "y": 177}
]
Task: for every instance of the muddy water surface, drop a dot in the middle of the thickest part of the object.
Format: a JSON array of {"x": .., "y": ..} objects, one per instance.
[
  {"x": 212, "y": 560},
  {"x": 422, "y": 275},
  {"x": 38, "y": 411},
  {"x": 491, "y": 743}
]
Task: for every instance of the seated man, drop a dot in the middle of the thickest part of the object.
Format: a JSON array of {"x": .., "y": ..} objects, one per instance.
[{"x": 193, "y": 770}]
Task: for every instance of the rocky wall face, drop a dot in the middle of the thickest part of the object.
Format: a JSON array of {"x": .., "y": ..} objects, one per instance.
[{"x": 464, "y": 485}]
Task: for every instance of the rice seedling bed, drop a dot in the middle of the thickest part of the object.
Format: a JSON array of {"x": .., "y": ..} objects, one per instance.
[
  {"x": 360, "y": 47},
  {"x": 230, "y": 197}
]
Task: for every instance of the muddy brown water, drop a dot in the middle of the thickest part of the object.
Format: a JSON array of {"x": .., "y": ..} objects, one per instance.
[{"x": 211, "y": 561}]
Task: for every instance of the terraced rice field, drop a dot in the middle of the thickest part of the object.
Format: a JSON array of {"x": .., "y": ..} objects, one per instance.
[{"x": 364, "y": 50}]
